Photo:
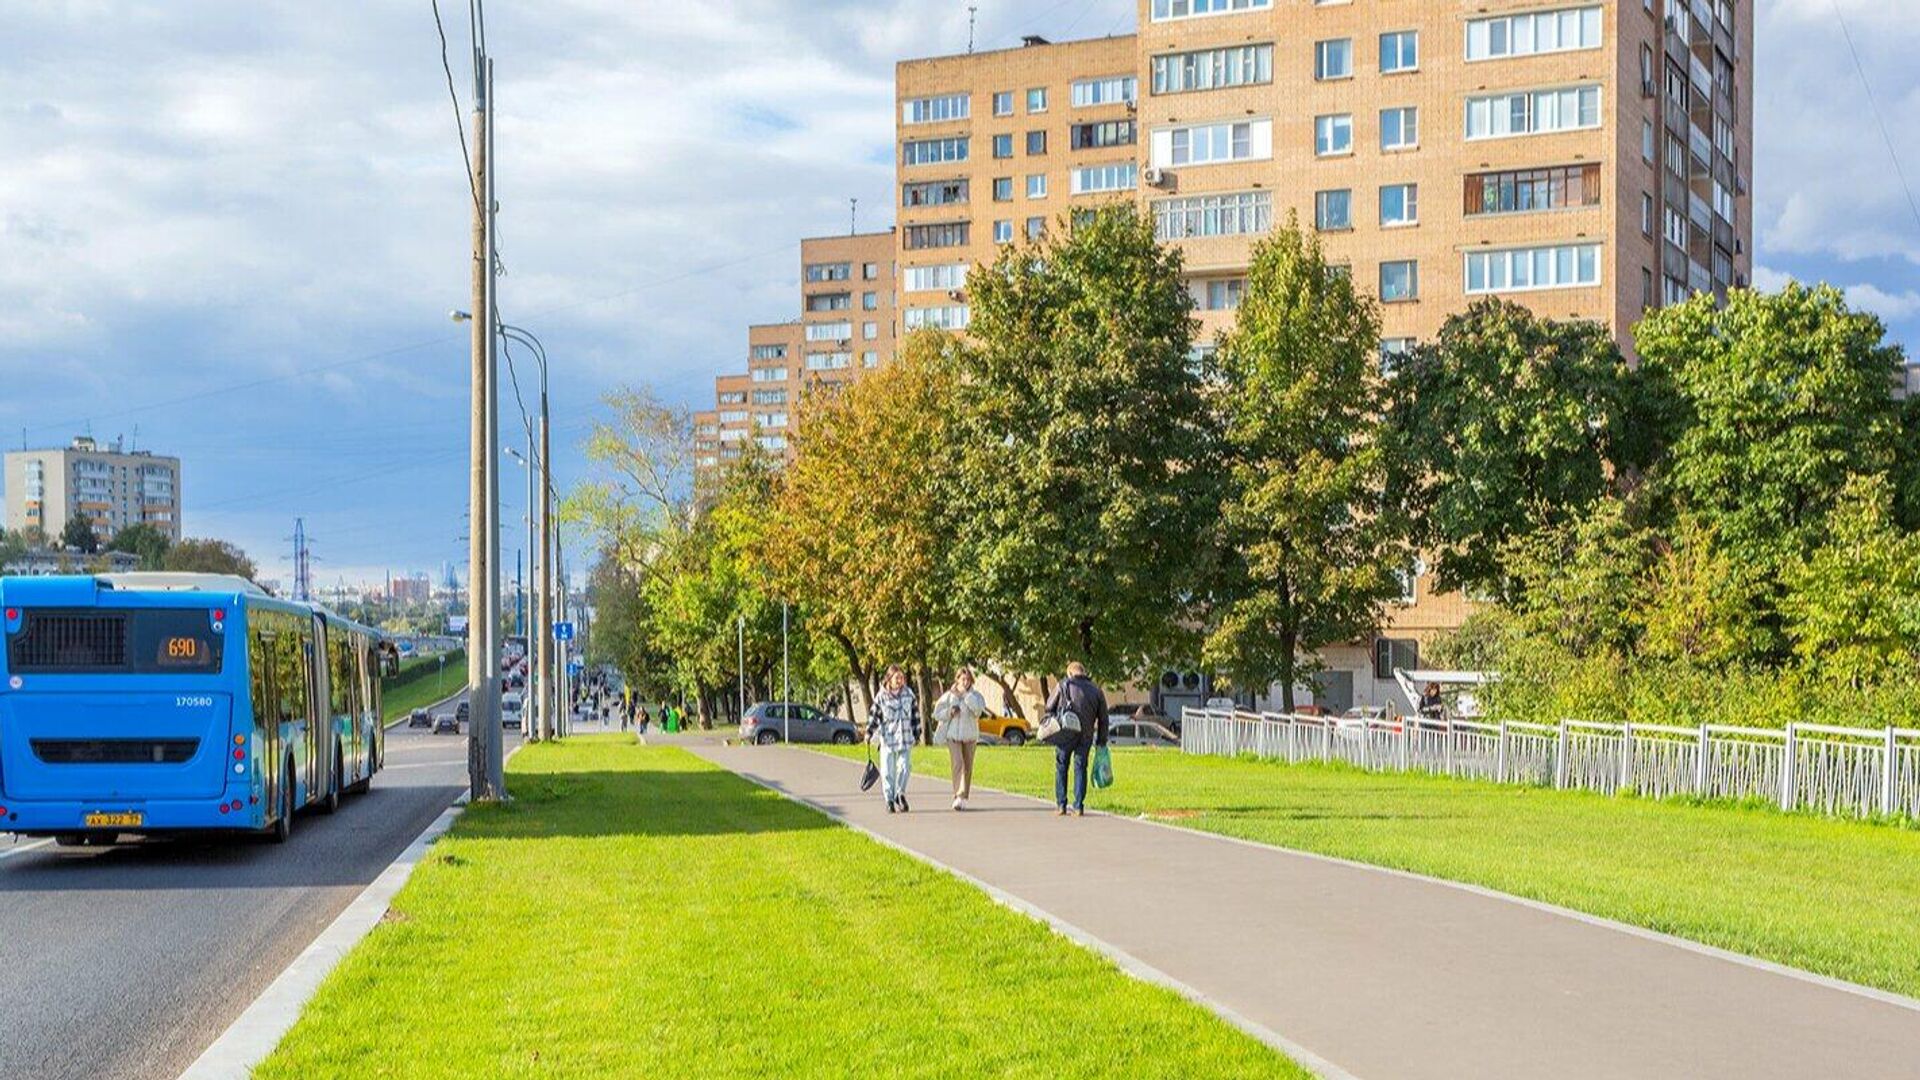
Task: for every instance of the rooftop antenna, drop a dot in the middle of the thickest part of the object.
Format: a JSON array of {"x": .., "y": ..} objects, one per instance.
[
  {"x": 973, "y": 11},
  {"x": 853, "y": 216}
]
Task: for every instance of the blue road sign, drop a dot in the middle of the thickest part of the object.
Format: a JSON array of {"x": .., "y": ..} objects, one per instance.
[
  {"x": 576, "y": 668},
  {"x": 563, "y": 631}
]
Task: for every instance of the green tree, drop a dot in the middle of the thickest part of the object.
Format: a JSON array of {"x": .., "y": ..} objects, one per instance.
[
  {"x": 1312, "y": 551},
  {"x": 1852, "y": 604},
  {"x": 1779, "y": 399},
  {"x": 78, "y": 535},
  {"x": 145, "y": 541},
  {"x": 1507, "y": 424},
  {"x": 1086, "y": 464},
  {"x": 192, "y": 556},
  {"x": 1580, "y": 582},
  {"x": 13, "y": 545},
  {"x": 1908, "y": 476},
  {"x": 1701, "y": 607}
]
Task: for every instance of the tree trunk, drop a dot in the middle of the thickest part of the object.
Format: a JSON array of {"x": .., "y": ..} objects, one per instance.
[
  {"x": 1086, "y": 642},
  {"x": 926, "y": 701},
  {"x": 1289, "y": 638},
  {"x": 1006, "y": 689}
]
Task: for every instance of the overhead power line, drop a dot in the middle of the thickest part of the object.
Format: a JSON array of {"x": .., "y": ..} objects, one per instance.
[{"x": 1874, "y": 107}]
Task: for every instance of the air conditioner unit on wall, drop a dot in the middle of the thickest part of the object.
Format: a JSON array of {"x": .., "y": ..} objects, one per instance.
[{"x": 1157, "y": 177}]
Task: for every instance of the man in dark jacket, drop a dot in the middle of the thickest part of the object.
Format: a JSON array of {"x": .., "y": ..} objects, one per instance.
[{"x": 1077, "y": 694}]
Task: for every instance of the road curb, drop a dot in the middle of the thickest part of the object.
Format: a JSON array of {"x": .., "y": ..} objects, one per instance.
[
  {"x": 257, "y": 1031},
  {"x": 1126, "y": 961}
]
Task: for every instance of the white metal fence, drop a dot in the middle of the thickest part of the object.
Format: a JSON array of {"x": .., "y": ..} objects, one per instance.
[{"x": 1844, "y": 772}]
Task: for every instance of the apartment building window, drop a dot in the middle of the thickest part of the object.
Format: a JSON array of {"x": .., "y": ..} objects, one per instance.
[
  {"x": 732, "y": 397},
  {"x": 1003, "y": 103},
  {"x": 1393, "y": 353},
  {"x": 869, "y": 359},
  {"x": 1111, "y": 90},
  {"x": 830, "y": 302},
  {"x": 1118, "y": 176},
  {"x": 829, "y": 361},
  {"x": 1220, "y": 294},
  {"x": 1333, "y": 59},
  {"x": 937, "y": 109},
  {"x": 1037, "y": 186},
  {"x": 1003, "y": 146},
  {"x": 869, "y": 301},
  {"x": 1333, "y": 135},
  {"x": 1399, "y": 51},
  {"x": 1036, "y": 228},
  {"x": 1036, "y": 143},
  {"x": 1646, "y": 141},
  {"x": 769, "y": 374},
  {"x": 944, "y": 317},
  {"x": 1003, "y": 189},
  {"x": 1037, "y": 100},
  {"x": 1333, "y": 210},
  {"x": 1164, "y": 10},
  {"x": 772, "y": 442},
  {"x": 1399, "y": 281},
  {"x": 1564, "y": 30},
  {"x": 1103, "y": 134},
  {"x": 933, "y": 193},
  {"x": 1399, "y": 205},
  {"x": 945, "y": 234},
  {"x": 769, "y": 352},
  {"x": 1646, "y": 214},
  {"x": 829, "y": 271},
  {"x": 1003, "y": 232},
  {"x": 773, "y": 420},
  {"x": 1399, "y": 128},
  {"x": 869, "y": 331},
  {"x": 1206, "y": 144},
  {"x": 1528, "y": 190},
  {"x": 733, "y": 416},
  {"x": 869, "y": 271},
  {"x": 1563, "y": 266},
  {"x": 769, "y": 397},
  {"x": 1675, "y": 229},
  {"x": 1212, "y": 69},
  {"x": 1646, "y": 289},
  {"x": 1533, "y": 112},
  {"x": 933, "y": 151},
  {"x": 1243, "y": 213},
  {"x": 829, "y": 331},
  {"x": 936, "y": 278}
]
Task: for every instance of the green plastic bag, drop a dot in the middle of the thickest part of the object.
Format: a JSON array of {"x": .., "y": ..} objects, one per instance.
[{"x": 1102, "y": 768}]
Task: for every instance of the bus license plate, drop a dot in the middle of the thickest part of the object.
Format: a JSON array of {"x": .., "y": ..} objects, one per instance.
[{"x": 115, "y": 821}]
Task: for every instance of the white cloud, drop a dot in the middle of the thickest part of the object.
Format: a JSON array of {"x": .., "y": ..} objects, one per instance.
[{"x": 1891, "y": 306}]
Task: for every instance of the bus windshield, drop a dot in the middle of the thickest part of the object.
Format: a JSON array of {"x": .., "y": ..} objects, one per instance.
[{"x": 97, "y": 641}]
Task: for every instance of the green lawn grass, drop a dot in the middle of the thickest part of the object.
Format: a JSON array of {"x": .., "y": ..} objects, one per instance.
[
  {"x": 422, "y": 682},
  {"x": 1835, "y": 897},
  {"x": 635, "y": 912}
]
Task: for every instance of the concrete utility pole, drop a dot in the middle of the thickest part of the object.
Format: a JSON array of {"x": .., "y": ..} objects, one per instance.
[{"x": 485, "y": 771}]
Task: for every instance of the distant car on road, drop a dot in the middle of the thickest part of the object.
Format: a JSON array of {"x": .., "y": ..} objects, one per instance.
[
  {"x": 1146, "y": 713},
  {"x": 463, "y": 712},
  {"x": 772, "y": 721},
  {"x": 1011, "y": 730},
  {"x": 446, "y": 724},
  {"x": 1122, "y": 731},
  {"x": 510, "y": 706},
  {"x": 419, "y": 718}
]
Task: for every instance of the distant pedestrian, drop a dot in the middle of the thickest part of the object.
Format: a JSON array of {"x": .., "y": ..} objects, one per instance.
[
  {"x": 895, "y": 721},
  {"x": 1432, "y": 706},
  {"x": 1077, "y": 694},
  {"x": 958, "y": 713}
]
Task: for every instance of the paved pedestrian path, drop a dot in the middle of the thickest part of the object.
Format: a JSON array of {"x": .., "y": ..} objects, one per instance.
[{"x": 1375, "y": 974}]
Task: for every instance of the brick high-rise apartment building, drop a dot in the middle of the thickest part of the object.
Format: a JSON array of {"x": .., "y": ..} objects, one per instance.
[{"x": 112, "y": 488}]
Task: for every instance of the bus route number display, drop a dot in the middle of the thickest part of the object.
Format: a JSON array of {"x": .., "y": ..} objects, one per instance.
[{"x": 182, "y": 652}]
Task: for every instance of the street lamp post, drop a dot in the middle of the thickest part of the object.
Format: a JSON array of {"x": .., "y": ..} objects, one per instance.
[
  {"x": 740, "y": 624},
  {"x": 786, "y": 679}
]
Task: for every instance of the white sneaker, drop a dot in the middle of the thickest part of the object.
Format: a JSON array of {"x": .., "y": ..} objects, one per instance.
[{"x": 959, "y": 804}]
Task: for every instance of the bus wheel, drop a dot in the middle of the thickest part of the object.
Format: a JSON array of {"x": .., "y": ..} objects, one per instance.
[
  {"x": 282, "y": 830},
  {"x": 332, "y": 802}
]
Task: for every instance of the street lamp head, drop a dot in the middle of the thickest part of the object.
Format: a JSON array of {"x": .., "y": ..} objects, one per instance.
[{"x": 460, "y": 316}]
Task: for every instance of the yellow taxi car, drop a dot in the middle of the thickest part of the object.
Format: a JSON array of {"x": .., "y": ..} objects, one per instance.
[{"x": 1011, "y": 730}]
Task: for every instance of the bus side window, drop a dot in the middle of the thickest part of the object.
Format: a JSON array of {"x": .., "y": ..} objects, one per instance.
[
  {"x": 339, "y": 679},
  {"x": 290, "y": 676},
  {"x": 260, "y": 678}
]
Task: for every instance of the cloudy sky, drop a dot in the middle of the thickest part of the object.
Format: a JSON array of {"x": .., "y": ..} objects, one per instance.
[{"x": 232, "y": 231}]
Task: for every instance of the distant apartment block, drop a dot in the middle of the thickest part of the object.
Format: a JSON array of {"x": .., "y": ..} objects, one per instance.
[{"x": 109, "y": 487}]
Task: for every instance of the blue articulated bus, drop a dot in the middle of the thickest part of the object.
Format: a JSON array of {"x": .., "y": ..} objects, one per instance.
[{"x": 156, "y": 704}]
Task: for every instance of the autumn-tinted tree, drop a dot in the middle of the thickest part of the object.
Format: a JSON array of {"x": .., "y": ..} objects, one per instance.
[
  {"x": 1087, "y": 470},
  {"x": 1311, "y": 549},
  {"x": 192, "y": 556},
  {"x": 1506, "y": 424}
]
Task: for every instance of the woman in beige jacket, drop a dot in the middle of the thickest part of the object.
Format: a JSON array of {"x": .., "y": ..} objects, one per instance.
[{"x": 958, "y": 713}]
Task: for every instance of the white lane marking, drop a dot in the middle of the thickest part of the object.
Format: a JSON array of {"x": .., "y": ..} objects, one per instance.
[{"x": 24, "y": 848}]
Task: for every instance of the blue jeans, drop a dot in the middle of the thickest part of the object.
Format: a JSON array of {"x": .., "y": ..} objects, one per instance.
[
  {"x": 895, "y": 767},
  {"x": 1076, "y": 756}
]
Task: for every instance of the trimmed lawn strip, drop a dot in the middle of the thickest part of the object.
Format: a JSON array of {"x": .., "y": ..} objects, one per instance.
[
  {"x": 1838, "y": 898},
  {"x": 421, "y": 683},
  {"x": 638, "y": 912}
]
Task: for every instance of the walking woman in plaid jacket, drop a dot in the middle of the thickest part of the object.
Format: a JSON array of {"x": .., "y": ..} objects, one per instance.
[{"x": 895, "y": 724}]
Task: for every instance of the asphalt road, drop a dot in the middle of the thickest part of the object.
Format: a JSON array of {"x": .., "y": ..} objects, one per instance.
[{"x": 127, "y": 962}]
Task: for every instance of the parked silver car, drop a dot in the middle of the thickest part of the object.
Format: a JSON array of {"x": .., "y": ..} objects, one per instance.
[
  {"x": 775, "y": 721},
  {"x": 1123, "y": 731}
]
